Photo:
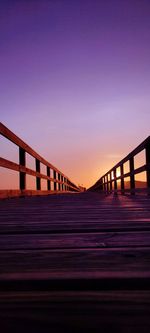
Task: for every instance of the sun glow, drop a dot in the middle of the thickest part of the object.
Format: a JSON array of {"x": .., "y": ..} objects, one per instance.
[{"x": 118, "y": 173}]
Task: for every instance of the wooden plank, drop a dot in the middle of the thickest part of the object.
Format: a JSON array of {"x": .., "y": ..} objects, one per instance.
[
  {"x": 76, "y": 263},
  {"x": 67, "y": 297},
  {"x": 6, "y": 194},
  {"x": 75, "y": 213},
  {"x": 16, "y": 167},
  {"x": 67, "y": 228},
  {"x": 75, "y": 240},
  {"x": 126, "y": 311},
  {"x": 82, "y": 280},
  {"x": 83, "y": 213}
]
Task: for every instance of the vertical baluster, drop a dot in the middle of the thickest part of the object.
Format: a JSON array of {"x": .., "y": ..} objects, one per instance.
[
  {"x": 122, "y": 179},
  {"x": 48, "y": 181},
  {"x": 115, "y": 182},
  {"x": 62, "y": 185},
  {"x": 110, "y": 182},
  {"x": 107, "y": 185},
  {"x": 59, "y": 183},
  {"x": 132, "y": 180},
  {"x": 55, "y": 185},
  {"x": 65, "y": 184},
  {"x": 104, "y": 186},
  {"x": 22, "y": 175},
  {"x": 38, "y": 179},
  {"x": 148, "y": 166}
]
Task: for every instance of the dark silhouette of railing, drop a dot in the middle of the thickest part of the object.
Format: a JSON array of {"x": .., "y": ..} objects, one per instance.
[
  {"x": 108, "y": 182},
  {"x": 61, "y": 182}
]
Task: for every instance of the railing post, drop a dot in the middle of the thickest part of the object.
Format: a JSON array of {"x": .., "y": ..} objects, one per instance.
[
  {"x": 132, "y": 179},
  {"x": 107, "y": 185},
  {"x": 62, "y": 185},
  {"x": 148, "y": 165},
  {"x": 59, "y": 183},
  {"x": 115, "y": 182},
  {"x": 104, "y": 185},
  {"x": 22, "y": 175},
  {"x": 110, "y": 182},
  {"x": 48, "y": 181},
  {"x": 55, "y": 186},
  {"x": 65, "y": 184},
  {"x": 122, "y": 178},
  {"x": 70, "y": 189},
  {"x": 38, "y": 179}
]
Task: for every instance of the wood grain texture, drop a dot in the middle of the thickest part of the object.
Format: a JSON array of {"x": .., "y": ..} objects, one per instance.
[
  {"x": 75, "y": 262},
  {"x": 125, "y": 311}
]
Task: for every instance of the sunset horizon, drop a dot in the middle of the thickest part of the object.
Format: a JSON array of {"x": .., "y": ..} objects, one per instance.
[
  {"x": 75, "y": 81},
  {"x": 75, "y": 166},
  {"x": 10, "y": 179}
]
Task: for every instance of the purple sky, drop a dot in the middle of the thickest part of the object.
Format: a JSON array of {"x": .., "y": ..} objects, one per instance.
[{"x": 75, "y": 80}]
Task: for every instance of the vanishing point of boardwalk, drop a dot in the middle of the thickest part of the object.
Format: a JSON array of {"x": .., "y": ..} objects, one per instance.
[{"x": 75, "y": 261}]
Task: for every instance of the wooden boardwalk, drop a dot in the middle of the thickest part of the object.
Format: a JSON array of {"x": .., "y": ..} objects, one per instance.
[{"x": 75, "y": 262}]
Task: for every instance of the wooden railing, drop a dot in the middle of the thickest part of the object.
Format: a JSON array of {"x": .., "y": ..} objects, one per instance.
[
  {"x": 61, "y": 182},
  {"x": 108, "y": 182}
]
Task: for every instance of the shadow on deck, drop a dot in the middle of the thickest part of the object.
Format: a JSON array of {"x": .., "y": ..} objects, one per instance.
[{"x": 75, "y": 262}]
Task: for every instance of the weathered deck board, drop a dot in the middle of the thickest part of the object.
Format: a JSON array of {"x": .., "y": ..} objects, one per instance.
[
  {"x": 96, "y": 245},
  {"x": 75, "y": 240},
  {"x": 74, "y": 213},
  {"x": 76, "y": 263},
  {"x": 76, "y": 312}
]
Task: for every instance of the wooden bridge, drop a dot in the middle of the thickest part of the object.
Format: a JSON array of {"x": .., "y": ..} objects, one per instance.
[{"x": 70, "y": 260}]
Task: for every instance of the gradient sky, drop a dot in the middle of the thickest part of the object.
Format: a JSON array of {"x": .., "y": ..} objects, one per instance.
[{"x": 75, "y": 80}]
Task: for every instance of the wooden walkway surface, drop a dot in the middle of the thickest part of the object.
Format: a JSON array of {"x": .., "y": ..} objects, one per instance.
[{"x": 75, "y": 262}]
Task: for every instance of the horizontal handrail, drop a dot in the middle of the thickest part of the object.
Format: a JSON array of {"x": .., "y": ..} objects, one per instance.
[
  {"x": 106, "y": 182},
  {"x": 64, "y": 183}
]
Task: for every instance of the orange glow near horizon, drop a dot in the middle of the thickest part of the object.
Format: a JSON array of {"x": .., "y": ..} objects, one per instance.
[
  {"x": 72, "y": 87},
  {"x": 10, "y": 179},
  {"x": 118, "y": 173},
  {"x": 81, "y": 169}
]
